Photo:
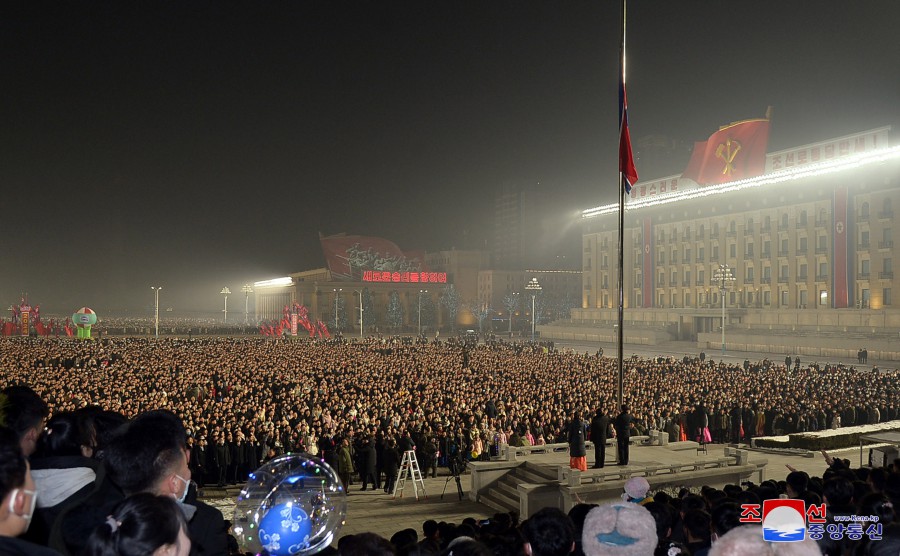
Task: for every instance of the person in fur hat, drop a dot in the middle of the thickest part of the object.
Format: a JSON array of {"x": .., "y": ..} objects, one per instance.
[{"x": 620, "y": 529}]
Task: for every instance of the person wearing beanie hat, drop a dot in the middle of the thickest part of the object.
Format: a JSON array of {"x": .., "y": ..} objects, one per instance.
[
  {"x": 636, "y": 489},
  {"x": 619, "y": 529}
]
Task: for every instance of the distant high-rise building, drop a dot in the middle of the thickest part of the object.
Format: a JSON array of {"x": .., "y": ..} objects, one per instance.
[{"x": 531, "y": 231}]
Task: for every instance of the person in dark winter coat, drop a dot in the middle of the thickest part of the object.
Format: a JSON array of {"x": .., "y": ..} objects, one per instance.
[
  {"x": 577, "y": 449},
  {"x": 367, "y": 459},
  {"x": 391, "y": 465},
  {"x": 222, "y": 459},
  {"x": 599, "y": 432},
  {"x": 17, "y": 493},
  {"x": 623, "y": 424}
]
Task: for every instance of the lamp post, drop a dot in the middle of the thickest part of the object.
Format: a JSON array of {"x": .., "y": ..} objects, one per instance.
[
  {"x": 360, "y": 313},
  {"x": 534, "y": 287},
  {"x": 724, "y": 278},
  {"x": 247, "y": 291},
  {"x": 512, "y": 311},
  {"x": 156, "y": 289},
  {"x": 336, "y": 290},
  {"x": 420, "y": 310},
  {"x": 226, "y": 292}
]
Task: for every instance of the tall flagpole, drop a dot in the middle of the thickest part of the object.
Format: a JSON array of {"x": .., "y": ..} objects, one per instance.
[
  {"x": 621, "y": 292},
  {"x": 620, "y": 385}
]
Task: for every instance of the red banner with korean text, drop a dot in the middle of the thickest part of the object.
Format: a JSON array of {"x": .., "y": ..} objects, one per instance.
[
  {"x": 647, "y": 267},
  {"x": 735, "y": 152},
  {"x": 840, "y": 267}
]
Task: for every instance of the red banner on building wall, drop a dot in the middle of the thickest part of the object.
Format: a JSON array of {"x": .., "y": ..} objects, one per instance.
[
  {"x": 840, "y": 267},
  {"x": 647, "y": 270}
]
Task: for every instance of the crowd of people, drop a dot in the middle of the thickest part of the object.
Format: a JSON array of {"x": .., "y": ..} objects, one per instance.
[
  {"x": 235, "y": 403},
  {"x": 709, "y": 522},
  {"x": 246, "y": 400}
]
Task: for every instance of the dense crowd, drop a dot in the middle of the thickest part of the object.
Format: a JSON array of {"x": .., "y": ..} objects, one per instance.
[
  {"x": 238, "y": 402},
  {"x": 246, "y": 400},
  {"x": 278, "y": 396}
]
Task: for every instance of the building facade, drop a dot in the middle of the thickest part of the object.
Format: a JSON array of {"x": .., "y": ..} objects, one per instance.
[
  {"x": 322, "y": 293},
  {"x": 810, "y": 240}
]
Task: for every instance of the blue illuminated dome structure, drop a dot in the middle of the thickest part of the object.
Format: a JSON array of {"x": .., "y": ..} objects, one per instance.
[{"x": 294, "y": 504}]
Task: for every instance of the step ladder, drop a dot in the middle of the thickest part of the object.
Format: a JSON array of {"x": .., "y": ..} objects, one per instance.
[{"x": 409, "y": 468}]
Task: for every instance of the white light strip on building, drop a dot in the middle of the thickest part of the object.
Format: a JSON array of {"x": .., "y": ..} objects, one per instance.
[
  {"x": 275, "y": 282},
  {"x": 807, "y": 171},
  {"x": 552, "y": 272}
]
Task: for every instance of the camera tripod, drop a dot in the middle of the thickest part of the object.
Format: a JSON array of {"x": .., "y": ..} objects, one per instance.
[
  {"x": 459, "y": 489},
  {"x": 454, "y": 474}
]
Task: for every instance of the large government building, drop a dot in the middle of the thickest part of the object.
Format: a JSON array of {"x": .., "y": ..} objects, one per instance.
[{"x": 809, "y": 242}]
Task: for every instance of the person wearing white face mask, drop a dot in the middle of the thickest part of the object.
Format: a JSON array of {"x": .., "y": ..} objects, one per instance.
[
  {"x": 149, "y": 455},
  {"x": 19, "y": 499}
]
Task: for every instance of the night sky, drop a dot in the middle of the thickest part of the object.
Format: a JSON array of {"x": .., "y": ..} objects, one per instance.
[{"x": 197, "y": 145}]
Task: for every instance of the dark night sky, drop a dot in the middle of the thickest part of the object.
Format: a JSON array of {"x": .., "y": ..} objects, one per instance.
[{"x": 201, "y": 144}]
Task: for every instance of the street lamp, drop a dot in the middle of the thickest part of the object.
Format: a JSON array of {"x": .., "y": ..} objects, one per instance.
[
  {"x": 360, "y": 313},
  {"x": 420, "y": 310},
  {"x": 336, "y": 290},
  {"x": 512, "y": 310},
  {"x": 534, "y": 288},
  {"x": 156, "y": 289},
  {"x": 247, "y": 291},
  {"x": 226, "y": 292},
  {"x": 724, "y": 278}
]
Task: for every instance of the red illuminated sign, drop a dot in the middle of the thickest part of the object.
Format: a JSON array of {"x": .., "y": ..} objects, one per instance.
[{"x": 405, "y": 277}]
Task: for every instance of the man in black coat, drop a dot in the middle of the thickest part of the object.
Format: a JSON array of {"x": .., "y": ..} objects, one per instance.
[
  {"x": 235, "y": 456},
  {"x": 367, "y": 463},
  {"x": 599, "y": 432},
  {"x": 198, "y": 460},
  {"x": 623, "y": 423},
  {"x": 391, "y": 465},
  {"x": 223, "y": 459},
  {"x": 150, "y": 455}
]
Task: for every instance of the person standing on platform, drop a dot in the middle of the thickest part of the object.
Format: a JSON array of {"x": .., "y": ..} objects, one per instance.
[
  {"x": 577, "y": 449},
  {"x": 599, "y": 433},
  {"x": 623, "y": 425}
]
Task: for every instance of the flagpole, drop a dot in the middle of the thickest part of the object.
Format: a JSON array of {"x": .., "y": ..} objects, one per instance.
[
  {"x": 621, "y": 292},
  {"x": 620, "y": 385}
]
